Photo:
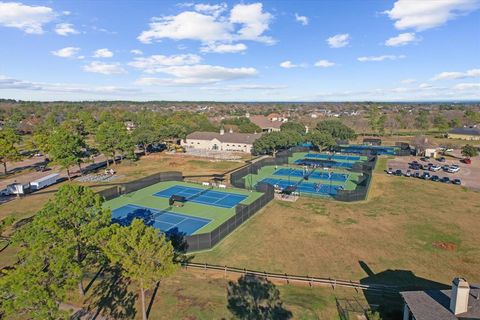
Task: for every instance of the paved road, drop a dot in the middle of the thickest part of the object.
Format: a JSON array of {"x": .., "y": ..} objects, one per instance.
[{"x": 29, "y": 176}]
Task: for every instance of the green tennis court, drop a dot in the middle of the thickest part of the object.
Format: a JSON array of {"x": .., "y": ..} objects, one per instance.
[{"x": 203, "y": 211}]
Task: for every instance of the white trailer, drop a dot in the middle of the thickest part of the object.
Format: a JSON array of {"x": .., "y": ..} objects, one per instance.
[{"x": 45, "y": 181}]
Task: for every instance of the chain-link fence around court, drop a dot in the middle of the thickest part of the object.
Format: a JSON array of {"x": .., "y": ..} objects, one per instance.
[
  {"x": 360, "y": 193},
  {"x": 132, "y": 186},
  {"x": 208, "y": 240},
  {"x": 201, "y": 241},
  {"x": 281, "y": 158}
]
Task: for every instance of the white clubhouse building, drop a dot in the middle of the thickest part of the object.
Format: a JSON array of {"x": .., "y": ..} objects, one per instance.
[{"x": 222, "y": 141}]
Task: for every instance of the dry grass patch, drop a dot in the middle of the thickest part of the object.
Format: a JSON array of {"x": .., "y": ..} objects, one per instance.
[{"x": 397, "y": 228}]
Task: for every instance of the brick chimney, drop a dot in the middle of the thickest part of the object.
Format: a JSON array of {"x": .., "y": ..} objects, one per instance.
[{"x": 460, "y": 294}]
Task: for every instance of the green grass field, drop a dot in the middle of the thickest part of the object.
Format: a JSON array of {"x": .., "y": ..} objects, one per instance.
[
  {"x": 146, "y": 198},
  {"x": 268, "y": 172}
]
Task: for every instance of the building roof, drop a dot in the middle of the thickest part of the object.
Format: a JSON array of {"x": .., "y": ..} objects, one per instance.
[
  {"x": 228, "y": 137},
  {"x": 466, "y": 131},
  {"x": 435, "y": 304},
  {"x": 265, "y": 123}
]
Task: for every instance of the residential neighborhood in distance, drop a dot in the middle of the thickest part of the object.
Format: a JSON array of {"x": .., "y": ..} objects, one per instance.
[{"x": 240, "y": 160}]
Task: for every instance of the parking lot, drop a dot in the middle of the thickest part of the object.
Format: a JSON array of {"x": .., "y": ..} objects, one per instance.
[{"x": 469, "y": 174}]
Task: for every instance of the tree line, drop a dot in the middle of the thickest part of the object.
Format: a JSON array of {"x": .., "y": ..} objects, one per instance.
[
  {"x": 69, "y": 138},
  {"x": 324, "y": 135}
]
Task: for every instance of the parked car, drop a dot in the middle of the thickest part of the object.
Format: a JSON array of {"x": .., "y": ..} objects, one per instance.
[
  {"x": 435, "y": 168},
  {"x": 426, "y": 176},
  {"x": 424, "y": 159},
  {"x": 398, "y": 172},
  {"x": 435, "y": 178},
  {"x": 408, "y": 173},
  {"x": 467, "y": 161},
  {"x": 445, "y": 180},
  {"x": 415, "y": 166},
  {"x": 453, "y": 169},
  {"x": 414, "y": 162},
  {"x": 457, "y": 181},
  {"x": 43, "y": 168},
  {"x": 416, "y": 174},
  {"x": 442, "y": 159},
  {"x": 389, "y": 171}
]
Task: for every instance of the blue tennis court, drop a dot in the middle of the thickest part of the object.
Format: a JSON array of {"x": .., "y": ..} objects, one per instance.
[
  {"x": 361, "y": 149},
  {"x": 341, "y": 177},
  {"x": 332, "y": 156},
  {"x": 305, "y": 187},
  {"x": 325, "y": 163},
  {"x": 165, "y": 221},
  {"x": 204, "y": 196}
]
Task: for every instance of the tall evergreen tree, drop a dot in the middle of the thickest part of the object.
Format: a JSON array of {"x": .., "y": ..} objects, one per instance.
[{"x": 143, "y": 254}]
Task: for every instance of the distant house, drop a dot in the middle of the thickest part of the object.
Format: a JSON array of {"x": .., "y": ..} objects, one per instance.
[
  {"x": 270, "y": 123},
  {"x": 462, "y": 302},
  {"x": 277, "y": 117},
  {"x": 231, "y": 141},
  {"x": 465, "y": 133},
  {"x": 130, "y": 125}
]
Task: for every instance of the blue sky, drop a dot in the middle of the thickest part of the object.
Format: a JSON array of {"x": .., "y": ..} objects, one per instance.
[{"x": 241, "y": 51}]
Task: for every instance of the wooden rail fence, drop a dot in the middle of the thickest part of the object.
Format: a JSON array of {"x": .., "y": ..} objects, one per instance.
[{"x": 288, "y": 278}]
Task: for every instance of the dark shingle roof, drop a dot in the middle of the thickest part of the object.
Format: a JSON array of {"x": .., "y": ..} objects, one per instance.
[
  {"x": 435, "y": 304},
  {"x": 466, "y": 131},
  {"x": 247, "y": 138}
]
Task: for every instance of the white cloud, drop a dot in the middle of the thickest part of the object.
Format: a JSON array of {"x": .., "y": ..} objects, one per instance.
[
  {"x": 157, "y": 63},
  {"x": 288, "y": 64},
  {"x": 224, "y": 48},
  {"x": 401, "y": 40},
  {"x": 254, "y": 22},
  {"x": 210, "y": 24},
  {"x": 187, "y": 25},
  {"x": 212, "y": 9},
  {"x": 29, "y": 19},
  {"x": 467, "y": 86},
  {"x": 136, "y": 52},
  {"x": 104, "y": 68},
  {"x": 324, "y": 64},
  {"x": 103, "y": 53},
  {"x": 380, "y": 58},
  {"x": 198, "y": 74},
  {"x": 10, "y": 83},
  {"x": 257, "y": 87},
  {"x": 64, "y": 29},
  {"x": 423, "y": 15},
  {"x": 338, "y": 40},
  {"x": 408, "y": 81},
  {"x": 302, "y": 19},
  {"x": 425, "y": 86},
  {"x": 68, "y": 52},
  {"x": 472, "y": 73}
]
